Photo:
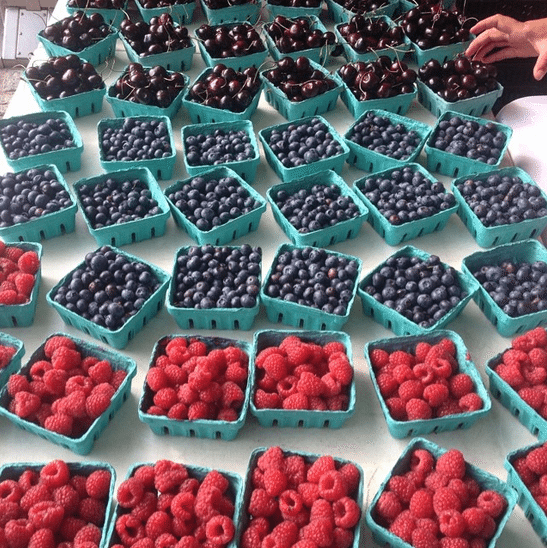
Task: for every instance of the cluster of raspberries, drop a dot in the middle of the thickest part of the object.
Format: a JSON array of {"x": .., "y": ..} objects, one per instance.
[
  {"x": 524, "y": 368},
  {"x": 437, "y": 503},
  {"x": 165, "y": 504},
  {"x": 62, "y": 390},
  {"x": 6, "y": 353},
  {"x": 303, "y": 375},
  {"x": 190, "y": 379},
  {"x": 18, "y": 270},
  {"x": 532, "y": 470},
  {"x": 425, "y": 383},
  {"x": 54, "y": 506},
  {"x": 301, "y": 503}
]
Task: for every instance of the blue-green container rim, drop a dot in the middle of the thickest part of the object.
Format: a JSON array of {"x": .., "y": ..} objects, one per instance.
[
  {"x": 327, "y": 236},
  {"x": 15, "y": 362},
  {"x": 297, "y": 315},
  {"x": 404, "y": 429},
  {"x": 229, "y": 231},
  {"x": 68, "y": 159},
  {"x": 83, "y": 444},
  {"x": 488, "y": 236},
  {"x": 440, "y": 53},
  {"x": 486, "y": 480},
  {"x": 290, "y": 11},
  {"x": 396, "y": 234},
  {"x": 200, "y": 428},
  {"x": 246, "y": 169},
  {"x": 525, "y": 250},
  {"x": 398, "y": 323},
  {"x": 132, "y": 231},
  {"x": 120, "y": 337},
  {"x": 300, "y": 418},
  {"x": 339, "y": 14},
  {"x": 112, "y": 16},
  {"x": 181, "y": 13},
  {"x": 249, "y": 12}
]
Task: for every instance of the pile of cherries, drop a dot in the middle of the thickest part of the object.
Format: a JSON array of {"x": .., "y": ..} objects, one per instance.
[
  {"x": 225, "y": 88},
  {"x": 63, "y": 76},
  {"x": 429, "y": 26},
  {"x": 298, "y": 80},
  {"x": 220, "y": 4},
  {"x": 154, "y": 4},
  {"x": 234, "y": 40},
  {"x": 378, "y": 79},
  {"x": 290, "y": 35},
  {"x": 365, "y": 34},
  {"x": 96, "y": 4},
  {"x": 459, "y": 78},
  {"x": 159, "y": 36},
  {"x": 362, "y": 6},
  {"x": 154, "y": 86}
]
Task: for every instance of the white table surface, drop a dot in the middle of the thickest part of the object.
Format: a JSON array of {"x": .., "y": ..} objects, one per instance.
[{"x": 363, "y": 439}]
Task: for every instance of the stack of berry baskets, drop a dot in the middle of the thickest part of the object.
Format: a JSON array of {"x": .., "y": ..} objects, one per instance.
[
  {"x": 11, "y": 353},
  {"x": 322, "y": 398},
  {"x": 421, "y": 459},
  {"x": 18, "y": 303},
  {"x": 84, "y": 417},
  {"x": 309, "y": 485},
  {"x": 459, "y": 285},
  {"x": 516, "y": 379},
  {"x": 503, "y": 261},
  {"x": 215, "y": 395},
  {"x": 156, "y": 479},
  {"x": 228, "y": 12},
  {"x": 449, "y": 396},
  {"x": 182, "y": 11},
  {"x": 339, "y": 14}
]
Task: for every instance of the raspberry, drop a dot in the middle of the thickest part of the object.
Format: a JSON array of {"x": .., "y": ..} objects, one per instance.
[
  {"x": 67, "y": 497},
  {"x": 402, "y": 373},
  {"x": 220, "y": 530},
  {"x": 88, "y": 533},
  {"x": 538, "y": 357},
  {"x": 73, "y": 404},
  {"x": 403, "y": 526},
  {"x": 536, "y": 460},
  {"x": 8, "y": 297},
  {"x": 397, "y": 408},
  {"x": 17, "y": 383},
  {"x": 24, "y": 284},
  {"x": 451, "y": 523},
  {"x": 232, "y": 395},
  {"x": 158, "y": 522},
  {"x": 445, "y": 499},
  {"x": 402, "y": 486},
  {"x": 460, "y": 385},
  {"x": 18, "y": 532},
  {"x": 447, "y": 542},
  {"x": 387, "y": 385},
  {"x": 296, "y": 402},
  {"x": 410, "y": 389},
  {"x": 33, "y": 495},
  {"x": 275, "y": 481},
  {"x": 261, "y": 504},
  {"x": 421, "y": 351},
  {"x": 400, "y": 357},
  {"x": 276, "y": 366},
  {"x": 319, "y": 531},
  {"x": 129, "y": 529},
  {"x": 332, "y": 485},
  {"x": 309, "y": 384},
  {"x": 421, "y": 504},
  {"x": 341, "y": 369},
  {"x": 46, "y": 514},
  {"x": 470, "y": 402},
  {"x": 388, "y": 506},
  {"x": 378, "y": 358},
  {"x": 130, "y": 492},
  {"x": 26, "y": 404},
  {"x": 492, "y": 502},
  {"x": 435, "y": 394},
  {"x": 452, "y": 464},
  {"x": 418, "y": 409},
  {"x": 474, "y": 519},
  {"x": 55, "y": 474},
  {"x": 538, "y": 336},
  {"x": 13, "y": 253},
  {"x": 42, "y": 538},
  {"x": 322, "y": 464},
  {"x": 346, "y": 512},
  {"x": 295, "y": 469}
]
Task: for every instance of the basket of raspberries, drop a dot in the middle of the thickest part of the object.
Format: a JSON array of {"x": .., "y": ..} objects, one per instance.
[{"x": 11, "y": 352}]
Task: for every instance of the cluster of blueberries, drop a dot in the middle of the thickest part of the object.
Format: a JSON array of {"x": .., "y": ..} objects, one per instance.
[
  {"x": 302, "y": 143},
  {"x": 517, "y": 287},
  {"x": 470, "y": 139},
  {"x": 111, "y": 202},
  {"x": 422, "y": 290},
  {"x": 218, "y": 147},
  {"x": 315, "y": 278},
  {"x": 108, "y": 288},
  {"x": 379, "y": 134},
  {"x": 406, "y": 194},
  {"x": 208, "y": 203},
  {"x": 502, "y": 199},
  {"x": 29, "y": 195},
  {"x": 27, "y": 138},
  {"x": 136, "y": 139},
  {"x": 208, "y": 277},
  {"x": 316, "y": 207}
]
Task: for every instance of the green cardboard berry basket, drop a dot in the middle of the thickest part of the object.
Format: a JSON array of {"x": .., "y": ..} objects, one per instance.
[
  {"x": 67, "y": 159},
  {"x": 339, "y": 232},
  {"x": 231, "y": 230},
  {"x": 249, "y": 12},
  {"x": 22, "y": 315},
  {"x": 181, "y": 12},
  {"x": 289, "y": 418},
  {"x": 120, "y": 337},
  {"x": 525, "y": 250},
  {"x": 440, "y": 53},
  {"x": 299, "y": 315},
  {"x": 132, "y": 231},
  {"x": 511, "y": 400},
  {"x": 204, "y": 114},
  {"x": 112, "y": 16},
  {"x": 473, "y": 106},
  {"x": 339, "y": 14},
  {"x": 50, "y": 225},
  {"x": 453, "y": 165},
  {"x": 212, "y": 318},
  {"x": 532, "y": 510},
  {"x": 292, "y": 110},
  {"x": 370, "y": 160},
  {"x": 199, "y": 428},
  {"x": 318, "y": 55},
  {"x": 486, "y": 480},
  {"x": 396, "y": 234},
  {"x": 161, "y": 168},
  {"x": 291, "y": 11},
  {"x": 286, "y": 174},
  {"x": 96, "y": 54},
  {"x": 84, "y": 444},
  {"x": 15, "y": 362},
  {"x": 404, "y": 429},
  {"x": 246, "y": 169},
  {"x": 400, "y": 324},
  {"x": 177, "y": 60},
  {"x": 123, "y": 108},
  {"x": 489, "y": 236}
]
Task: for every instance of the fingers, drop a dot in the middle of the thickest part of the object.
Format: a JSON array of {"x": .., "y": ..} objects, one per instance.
[
  {"x": 489, "y": 40},
  {"x": 501, "y": 22},
  {"x": 540, "y": 68}
]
